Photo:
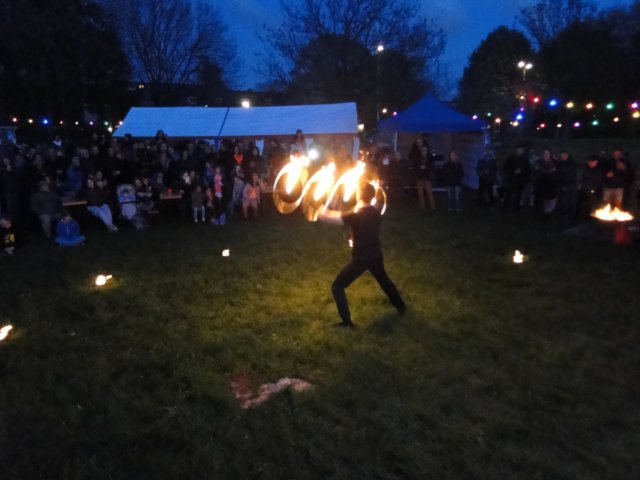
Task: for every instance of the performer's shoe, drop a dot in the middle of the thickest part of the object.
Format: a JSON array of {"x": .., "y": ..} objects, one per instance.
[{"x": 344, "y": 325}]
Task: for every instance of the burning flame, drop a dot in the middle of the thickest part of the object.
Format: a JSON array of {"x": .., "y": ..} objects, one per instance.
[
  {"x": 226, "y": 252},
  {"x": 608, "y": 215},
  {"x": 518, "y": 257},
  {"x": 292, "y": 174},
  {"x": 4, "y": 331},
  {"x": 102, "y": 279},
  {"x": 351, "y": 243},
  {"x": 323, "y": 190}
]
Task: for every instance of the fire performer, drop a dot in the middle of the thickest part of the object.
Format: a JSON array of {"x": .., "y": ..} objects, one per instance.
[{"x": 366, "y": 254}]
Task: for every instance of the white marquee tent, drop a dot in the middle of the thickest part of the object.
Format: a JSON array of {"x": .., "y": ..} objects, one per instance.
[{"x": 211, "y": 123}]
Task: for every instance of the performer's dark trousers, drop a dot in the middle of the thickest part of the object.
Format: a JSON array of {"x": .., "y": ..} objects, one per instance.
[{"x": 352, "y": 271}]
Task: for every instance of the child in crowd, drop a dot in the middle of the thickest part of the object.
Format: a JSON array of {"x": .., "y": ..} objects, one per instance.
[
  {"x": 237, "y": 193},
  {"x": 68, "y": 232},
  {"x": 251, "y": 196},
  {"x": 219, "y": 217},
  {"x": 8, "y": 235},
  {"x": 197, "y": 203}
]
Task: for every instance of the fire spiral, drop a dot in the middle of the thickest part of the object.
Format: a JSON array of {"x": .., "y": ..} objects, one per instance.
[{"x": 325, "y": 190}]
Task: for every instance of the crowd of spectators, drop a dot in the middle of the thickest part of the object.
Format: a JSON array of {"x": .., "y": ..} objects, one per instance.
[
  {"x": 548, "y": 183},
  {"x": 45, "y": 182},
  {"x": 213, "y": 184}
]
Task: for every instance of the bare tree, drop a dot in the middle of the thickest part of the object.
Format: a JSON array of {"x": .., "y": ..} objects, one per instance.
[
  {"x": 396, "y": 24},
  {"x": 167, "y": 40},
  {"x": 544, "y": 20}
]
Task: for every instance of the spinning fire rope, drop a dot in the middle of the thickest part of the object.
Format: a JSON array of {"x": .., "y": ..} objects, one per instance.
[{"x": 324, "y": 190}]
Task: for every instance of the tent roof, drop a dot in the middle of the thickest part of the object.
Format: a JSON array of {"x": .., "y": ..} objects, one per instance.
[
  {"x": 338, "y": 118},
  {"x": 430, "y": 115}
]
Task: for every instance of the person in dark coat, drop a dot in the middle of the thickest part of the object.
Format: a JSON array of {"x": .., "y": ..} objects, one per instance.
[
  {"x": 487, "y": 171},
  {"x": 423, "y": 172},
  {"x": 452, "y": 175},
  {"x": 615, "y": 179},
  {"x": 366, "y": 254},
  {"x": 590, "y": 183},
  {"x": 567, "y": 176},
  {"x": 47, "y": 206},
  {"x": 517, "y": 174}
]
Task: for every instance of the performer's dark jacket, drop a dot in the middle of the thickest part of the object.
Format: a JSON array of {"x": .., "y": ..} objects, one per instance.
[{"x": 365, "y": 225}]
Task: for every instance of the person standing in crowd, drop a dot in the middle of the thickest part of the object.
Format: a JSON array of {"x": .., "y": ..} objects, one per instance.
[
  {"x": 590, "y": 183},
  {"x": 516, "y": 175},
  {"x": 546, "y": 183},
  {"x": 567, "y": 178},
  {"x": 47, "y": 206},
  {"x": 487, "y": 171},
  {"x": 424, "y": 173},
  {"x": 10, "y": 183},
  {"x": 275, "y": 157},
  {"x": 197, "y": 203},
  {"x": 299, "y": 143},
  {"x": 452, "y": 176},
  {"x": 68, "y": 232},
  {"x": 615, "y": 179},
  {"x": 366, "y": 254}
]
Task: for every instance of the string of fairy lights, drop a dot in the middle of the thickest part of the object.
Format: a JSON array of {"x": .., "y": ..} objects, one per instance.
[
  {"x": 48, "y": 122},
  {"x": 610, "y": 113}
]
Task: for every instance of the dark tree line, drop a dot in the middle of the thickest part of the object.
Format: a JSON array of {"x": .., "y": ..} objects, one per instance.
[
  {"x": 326, "y": 51},
  {"x": 58, "y": 56},
  {"x": 582, "y": 55}
]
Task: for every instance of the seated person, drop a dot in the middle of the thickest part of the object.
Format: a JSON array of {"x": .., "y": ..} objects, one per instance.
[
  {"x": 97, "y": 203},
  {"x": 68, "y": 232},
  {"x": 8, "y": 235},
  {"x": 47, "y": 206}
]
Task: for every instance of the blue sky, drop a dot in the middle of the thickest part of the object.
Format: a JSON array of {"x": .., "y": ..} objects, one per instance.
[{"x": 465, "y": 22}]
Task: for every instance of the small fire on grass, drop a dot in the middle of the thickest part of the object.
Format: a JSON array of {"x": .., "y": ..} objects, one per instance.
[
  {"x": 101, "y": 280},
  {"x": 518, "y": 257},
  {"x": 226, "y": 252},
  {"x": 607, "y": 214},
  {"x": 4, "y": 331}
]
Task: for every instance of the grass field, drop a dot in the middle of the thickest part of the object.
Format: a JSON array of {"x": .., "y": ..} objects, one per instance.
[{"x": 497, "y": 371}]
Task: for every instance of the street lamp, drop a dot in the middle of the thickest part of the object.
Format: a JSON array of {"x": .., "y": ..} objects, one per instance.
[
  {"x": 379, "y": 50},
  {"x": 525, "y": 67}
]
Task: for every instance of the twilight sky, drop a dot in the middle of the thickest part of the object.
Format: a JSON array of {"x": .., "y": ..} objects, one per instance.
[{"x": 465, "y": 22}]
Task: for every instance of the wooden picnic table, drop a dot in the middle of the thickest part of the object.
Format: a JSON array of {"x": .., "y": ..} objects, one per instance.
[
  {"x": 171, "y": 196},
  {"x": 74, "y": 203}
]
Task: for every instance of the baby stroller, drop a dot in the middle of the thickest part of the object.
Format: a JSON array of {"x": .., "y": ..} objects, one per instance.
[{"x": 128, "y": 206}]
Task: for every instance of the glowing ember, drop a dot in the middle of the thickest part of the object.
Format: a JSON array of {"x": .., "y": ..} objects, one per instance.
[
  {"x": 608, "y": 215},
  {"x": 4, "y": 331},
  {"x": 226, "y": 252},
  {"x": 102, "y": 279},
  {"x": 518, "y": 257}
]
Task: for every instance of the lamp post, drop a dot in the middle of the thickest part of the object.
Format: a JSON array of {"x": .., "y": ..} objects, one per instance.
[
  {"x": 379, "y": 50},
  {"x": 525, "y": 67}
]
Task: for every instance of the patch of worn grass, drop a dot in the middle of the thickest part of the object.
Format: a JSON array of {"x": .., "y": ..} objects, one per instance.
[{"x": 497, "y": 370}]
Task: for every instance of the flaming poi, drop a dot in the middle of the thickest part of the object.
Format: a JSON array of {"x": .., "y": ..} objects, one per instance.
[{"x": 325, "y": 190}]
